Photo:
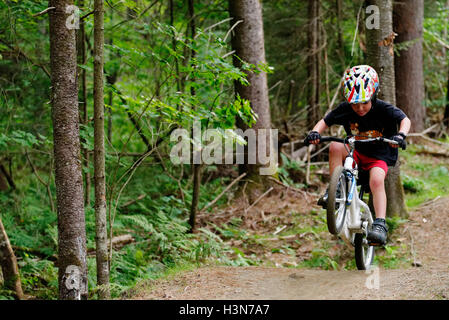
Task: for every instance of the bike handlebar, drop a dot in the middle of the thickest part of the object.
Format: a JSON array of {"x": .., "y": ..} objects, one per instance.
[
  {"x": 335, "y": 139},
  {"x": 345, "y": 140}
]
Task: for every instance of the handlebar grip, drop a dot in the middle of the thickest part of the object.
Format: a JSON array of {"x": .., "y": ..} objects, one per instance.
[
  {"x": 325, "y": 139},
  {"x": 306, "y": 142},
  {"x": 328, "y": 139}
]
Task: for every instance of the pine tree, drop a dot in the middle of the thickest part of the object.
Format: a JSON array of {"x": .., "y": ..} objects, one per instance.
[
  {"x": 248, "y": 43},
  {"x": 99, "y": 154},
  {"x": 379, "y": 43},
  {"x": 72, "y": 277}
]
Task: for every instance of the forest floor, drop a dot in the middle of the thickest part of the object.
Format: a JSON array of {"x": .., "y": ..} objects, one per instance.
[
  {"x": 284, "y": 250},
  {"x": 423, "y": 239}
]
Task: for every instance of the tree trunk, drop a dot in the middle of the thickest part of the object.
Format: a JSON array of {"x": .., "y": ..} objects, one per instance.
[
  {"x": 408, "y": 24},
  {"x": 8, "y": 263},
  {"x": 195, "y": 196},
  {"x": 72, "y": 266},
  {"x": 109, "y": 111},
  {"x": 99, "y": 155},
  {"x": 248, "y": 43},
  {"x": 378, "y": 55},
  {"x": 313, "y": 64},
  {"x": 3, "y": 183},
  {"x": 5, "y": 175},
  {"x": 81, "y": 50},
  {"x": 341, "y": 46},
  {"x": 446, "y": 110},
  {"x": 111, "y": 78},
  {"x": 196, "y": 167},
  {"x": 172, "y": 21},
  {"x": 381, "y": 58},
  {"x": 291, "y": 89}
]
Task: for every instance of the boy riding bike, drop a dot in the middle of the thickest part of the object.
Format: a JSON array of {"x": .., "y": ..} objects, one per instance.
[{"x": 365, "y": 116}]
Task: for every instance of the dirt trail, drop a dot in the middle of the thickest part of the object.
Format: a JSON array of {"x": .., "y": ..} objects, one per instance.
[{"x": 427, "y": 234}]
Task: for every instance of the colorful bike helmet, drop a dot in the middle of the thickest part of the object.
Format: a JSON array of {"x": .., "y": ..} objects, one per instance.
[{"x": 360, "y": 84}]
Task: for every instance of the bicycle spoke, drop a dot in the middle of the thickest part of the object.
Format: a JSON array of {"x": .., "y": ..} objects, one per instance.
[{"x": 339, "y": 214}]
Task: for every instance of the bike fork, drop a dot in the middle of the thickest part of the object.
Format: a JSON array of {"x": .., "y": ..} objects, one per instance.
[{"x": 351, "y": 191}]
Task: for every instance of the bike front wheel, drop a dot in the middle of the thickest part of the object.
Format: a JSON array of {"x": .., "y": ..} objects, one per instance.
[
  {"x": 364, "y": 253},
  {"x": 336, "y": 203}
]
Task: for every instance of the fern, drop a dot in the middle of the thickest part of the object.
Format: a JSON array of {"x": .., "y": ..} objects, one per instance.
[{"x": 139, "y": 221}]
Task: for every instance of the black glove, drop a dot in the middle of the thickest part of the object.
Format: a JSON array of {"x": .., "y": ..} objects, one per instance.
[
  {"x": 400, "y": 139},
  {"x": 313, "y": 135}
]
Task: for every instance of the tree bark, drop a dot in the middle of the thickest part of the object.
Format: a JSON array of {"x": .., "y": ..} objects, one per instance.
[
  {"x": 381, "y": 58},
  {"x": 408, "y": 24},
  {"x": 313, "y": 64},
  {"x": 99, "y": 155},
  {"x": 81, "y": 51},
  {"x": 72, "y": 277},
  {"x": 378, "y": 55},
  {"x": 8, "y": 263},
  {"x": 248, "y": 43},
  {"x": 341, "y": 46}
]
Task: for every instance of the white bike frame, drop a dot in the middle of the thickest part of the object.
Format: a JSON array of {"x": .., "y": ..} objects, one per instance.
[{"x": 358, "y": 215}]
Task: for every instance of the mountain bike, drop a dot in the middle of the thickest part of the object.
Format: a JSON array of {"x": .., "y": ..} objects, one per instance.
[{"x": 348, "y": 216}]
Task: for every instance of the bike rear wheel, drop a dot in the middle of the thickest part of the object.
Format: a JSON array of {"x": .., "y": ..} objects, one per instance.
[
  {"x": 364, "y": 253},
  {"x": 336, "y": 203}
]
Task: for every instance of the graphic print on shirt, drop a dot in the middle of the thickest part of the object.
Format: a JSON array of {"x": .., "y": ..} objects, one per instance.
[{"x": 364, "y": 134}]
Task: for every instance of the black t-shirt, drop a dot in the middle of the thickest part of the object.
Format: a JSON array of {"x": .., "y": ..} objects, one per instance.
[{"x": 382, "y": 120}]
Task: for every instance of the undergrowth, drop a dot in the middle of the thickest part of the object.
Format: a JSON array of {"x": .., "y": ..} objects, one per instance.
[
  {"x": 424, "y": 177},
  {"x": 163, "y": 246},
  {"x": 158, "y": 224}
]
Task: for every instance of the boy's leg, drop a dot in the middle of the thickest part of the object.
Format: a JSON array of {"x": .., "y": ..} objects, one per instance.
[
  {"x": 377, "y": 186},
  {"x": 337, "y": 155},
  {"x": 377, "y": 235}
]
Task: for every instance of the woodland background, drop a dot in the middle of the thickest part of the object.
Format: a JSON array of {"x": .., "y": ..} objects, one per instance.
[{"x": 166, "y": 63}]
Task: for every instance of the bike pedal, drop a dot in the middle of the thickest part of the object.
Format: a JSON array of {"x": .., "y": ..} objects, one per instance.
[{"x": 374, "y": 244}]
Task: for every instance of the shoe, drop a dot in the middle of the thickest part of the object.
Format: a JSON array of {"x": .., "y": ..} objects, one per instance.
[
  {"x": 323, "y": 200},
  {"x": 377, "y": 235}
]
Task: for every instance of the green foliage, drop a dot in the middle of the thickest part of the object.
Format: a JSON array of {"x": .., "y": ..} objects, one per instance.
[
  {"x": 163, "y": 77},
  {"x": 391, "y": 259},
  {"x": 285, "y": 171},
  {"x": 423, "y": 178},
  {"x": 161, "y": 244},
  {"x": 39, "y": 276},
  {"x": 21, "y": 139},
  {"x": 412, "y": 184},
  {"x": 320, "y": 259},
  {"x": 394, "y": 222}
]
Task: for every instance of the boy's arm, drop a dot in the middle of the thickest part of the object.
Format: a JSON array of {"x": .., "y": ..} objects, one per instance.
[
  {"x": 320, "y": 126},
  {"x": 404, "y": 126}
]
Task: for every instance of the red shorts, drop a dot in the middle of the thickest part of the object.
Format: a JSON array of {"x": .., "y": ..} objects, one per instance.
[{"x": 366, "y": 163}]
